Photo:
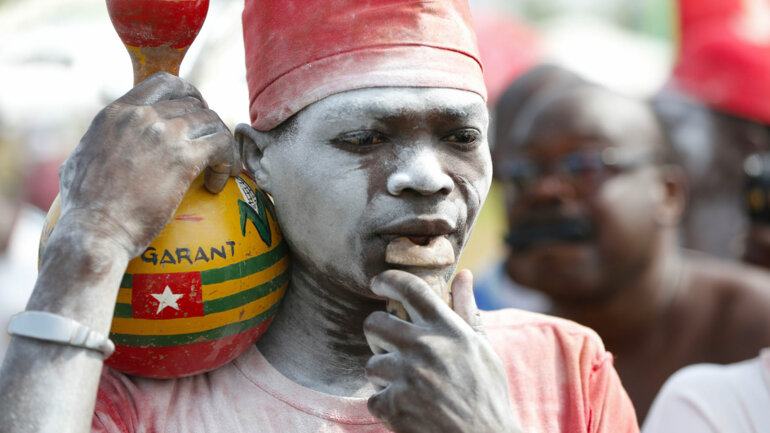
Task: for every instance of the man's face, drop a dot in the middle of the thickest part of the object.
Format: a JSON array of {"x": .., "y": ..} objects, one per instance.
[
  {"x": 581, "y": 194},
  {"x": 713, "y": 147},
  {"x": 366, "y": 166}
]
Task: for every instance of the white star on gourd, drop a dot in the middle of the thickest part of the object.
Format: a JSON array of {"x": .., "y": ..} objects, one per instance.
[{"x": 166, "y": 299}]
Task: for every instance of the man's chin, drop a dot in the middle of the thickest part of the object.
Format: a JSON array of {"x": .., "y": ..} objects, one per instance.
[{"x": 557, "y": 268}]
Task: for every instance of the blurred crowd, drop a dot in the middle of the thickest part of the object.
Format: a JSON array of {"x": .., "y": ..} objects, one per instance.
[
  {"x": 632, "y": 172},
  {"x": 646, "y": 217}
]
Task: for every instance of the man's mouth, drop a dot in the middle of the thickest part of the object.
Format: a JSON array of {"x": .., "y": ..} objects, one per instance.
[
  {"x": 419, "y": 240},
  {"x": 570, "y": 230},
  {"x": 420, "y": 251}
]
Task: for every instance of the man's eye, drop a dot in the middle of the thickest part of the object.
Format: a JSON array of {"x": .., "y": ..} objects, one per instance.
[
  {"x": 361, "y": 138},
  {"x": 463, "y": 136}
]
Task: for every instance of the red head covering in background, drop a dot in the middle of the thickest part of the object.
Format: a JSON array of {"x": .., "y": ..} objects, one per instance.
[
  {"x": 508, "y": 48},
  {"x": 301, "y": 51},
  {"x": 696, "y": 12},
  {"x": 724, "y": 55}
]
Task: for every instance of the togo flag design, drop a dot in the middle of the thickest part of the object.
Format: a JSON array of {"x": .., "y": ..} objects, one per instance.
[{"x": 229, "y": 300}]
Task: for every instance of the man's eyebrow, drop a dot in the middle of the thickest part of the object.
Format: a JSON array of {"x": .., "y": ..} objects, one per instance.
[{"x": 386, "y": 112}]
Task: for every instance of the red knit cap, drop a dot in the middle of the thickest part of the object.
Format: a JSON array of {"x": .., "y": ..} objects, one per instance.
[
  {"x": 724, "y": 61},
  {"x": 301, "y": 51}
]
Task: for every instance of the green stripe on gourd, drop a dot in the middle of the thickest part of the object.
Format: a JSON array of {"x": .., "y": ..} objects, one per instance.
[
  {"x": 194, "y": 337},
  {"x": 127, "y": 282},
  {"x": 245, "y": 267},
  {"x": 123, "y": 311},
  {"x": 246, "y": 296}
]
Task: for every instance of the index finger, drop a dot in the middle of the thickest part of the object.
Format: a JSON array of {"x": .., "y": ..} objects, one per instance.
[{"x": 159, "y": 87}]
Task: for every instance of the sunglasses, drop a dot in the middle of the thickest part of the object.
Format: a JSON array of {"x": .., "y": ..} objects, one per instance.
[{"x": 584, "y": 170}]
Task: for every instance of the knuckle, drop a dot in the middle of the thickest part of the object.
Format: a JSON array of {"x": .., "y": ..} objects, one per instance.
[
  {"x": 164, "y": 77},
  {"x": 477, "y": 324},
  {"x": 65, "y": 172},
  {"x": 65, "y": 167},
  {"x": 211, "y": 116},
  {"x": 374, "y": 321},
  {"x": 371, "y": 365},
  {"x": 126, "y": 115},
  {"x": 154, "y": 132},
  {"x": 415, "y": 288},
  {"x": 157, "y": 128},
  {"x": 105, "y": 113},
  {"x": 220, "y": 169},
  {"x": 375, "y": 405},
  {"x": 193, "y": 102},
  {"x": 382, "y": 405}
]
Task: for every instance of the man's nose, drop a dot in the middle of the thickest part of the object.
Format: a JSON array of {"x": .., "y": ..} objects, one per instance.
[{"x": 420, "y": 172}]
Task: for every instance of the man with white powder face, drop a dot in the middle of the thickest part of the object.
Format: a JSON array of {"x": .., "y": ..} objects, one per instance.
[{"x": 369, "y": 131}]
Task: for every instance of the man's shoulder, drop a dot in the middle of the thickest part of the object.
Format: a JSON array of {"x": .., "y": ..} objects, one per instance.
[
  {"x": 739, "y": 294},
  {"x": 725, "y": 276},
  {"x": 535, "y": 328},
  {"x": 512, "y": 318}
]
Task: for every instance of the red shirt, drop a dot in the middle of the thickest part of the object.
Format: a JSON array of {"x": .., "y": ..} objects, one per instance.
[{"x": 560, "y": 379}]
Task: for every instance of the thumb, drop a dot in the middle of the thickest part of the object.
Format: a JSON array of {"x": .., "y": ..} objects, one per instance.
[{"x": 464, "y": 302}]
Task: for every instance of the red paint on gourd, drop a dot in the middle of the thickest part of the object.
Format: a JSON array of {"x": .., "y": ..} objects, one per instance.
[
  {"x": 186, "y": 360},
  {"x": 154, "y": 23}
]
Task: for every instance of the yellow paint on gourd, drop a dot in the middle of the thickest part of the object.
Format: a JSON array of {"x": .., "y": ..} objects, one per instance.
[{"x": 196, "y": 324}]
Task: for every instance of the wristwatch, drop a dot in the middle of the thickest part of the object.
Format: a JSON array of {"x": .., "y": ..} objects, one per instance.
[{"x": 51, "y": 327}]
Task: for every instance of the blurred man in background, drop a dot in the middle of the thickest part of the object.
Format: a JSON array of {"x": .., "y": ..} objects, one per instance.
[
  {"x": 594, "y": 201},
  {"x": 495, "y": 289}
]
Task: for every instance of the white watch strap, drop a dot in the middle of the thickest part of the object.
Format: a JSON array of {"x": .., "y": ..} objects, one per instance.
[{"x": 58, "y": 329}]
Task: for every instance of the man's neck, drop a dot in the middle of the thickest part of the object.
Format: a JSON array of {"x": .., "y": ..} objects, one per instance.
[
  {"x": 637, "y": 304},
  {"x": 317, "y": 339}
]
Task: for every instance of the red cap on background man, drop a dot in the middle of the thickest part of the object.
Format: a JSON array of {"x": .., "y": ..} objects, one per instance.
[
  {"x": 301, "y": 51},
  {"x": 724, "y": 55}
]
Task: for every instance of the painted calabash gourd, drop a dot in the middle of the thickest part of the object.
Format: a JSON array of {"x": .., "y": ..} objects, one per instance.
[
  {"x": 204, "y": 290},
  {"x": 208, "y": 286}
]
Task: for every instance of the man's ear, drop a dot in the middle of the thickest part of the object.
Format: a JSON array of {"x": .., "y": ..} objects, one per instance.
[
  {"x": 252, "y": 145},
  {"x": 673, "y": 201}
]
